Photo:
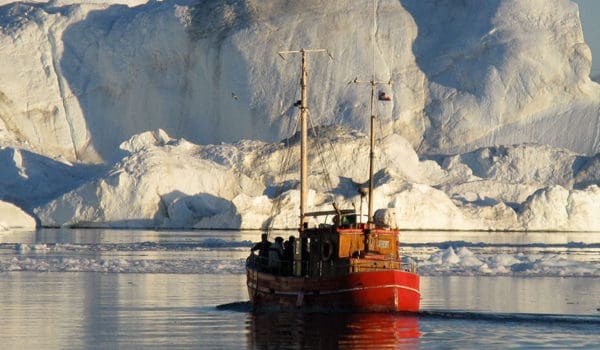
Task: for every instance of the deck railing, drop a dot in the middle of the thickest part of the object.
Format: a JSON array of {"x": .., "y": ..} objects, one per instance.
[{"x": 286, "y": 267}]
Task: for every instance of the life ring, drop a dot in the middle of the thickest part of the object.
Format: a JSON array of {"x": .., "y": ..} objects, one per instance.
[{"x": 326, "y": 250}]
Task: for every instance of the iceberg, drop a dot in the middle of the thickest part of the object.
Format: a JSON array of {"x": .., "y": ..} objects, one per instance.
[
  {"x": 79, "y": 78},
  {"x": 13, "y": 218},
  {"x": 170, "y": 183},
  {"x": 176, "y": 113}
]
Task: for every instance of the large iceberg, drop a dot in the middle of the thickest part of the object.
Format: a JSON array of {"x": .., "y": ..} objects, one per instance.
[
  {"x": 167, "y": 183},
  {"x": 79, "y": 78},
  {"x": 493, "y": 121}
]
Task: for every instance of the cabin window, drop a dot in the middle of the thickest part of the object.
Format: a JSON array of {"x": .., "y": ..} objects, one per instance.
[
  {"x": 349, "y": 220},
  {"x": 383, "y": 244}
]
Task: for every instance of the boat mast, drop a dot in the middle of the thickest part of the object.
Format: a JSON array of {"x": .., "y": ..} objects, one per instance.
[
  {"x": 303, "y": 130},
  {"x": 373, "y": 84},
  {"x": 371, "y": 155}
]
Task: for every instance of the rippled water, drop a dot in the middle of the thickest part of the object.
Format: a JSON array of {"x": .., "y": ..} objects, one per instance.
[{"x": 152, "y": 289}]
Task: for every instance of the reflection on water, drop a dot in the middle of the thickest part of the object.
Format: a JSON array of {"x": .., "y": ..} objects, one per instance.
[
  {"x": 41, "y": 308},
  {"x": 501, "y": 294},
  {"x": 332, "y": 331}
]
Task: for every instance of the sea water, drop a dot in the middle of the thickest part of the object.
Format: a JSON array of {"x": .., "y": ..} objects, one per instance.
[{"x": 74, "y": 289}]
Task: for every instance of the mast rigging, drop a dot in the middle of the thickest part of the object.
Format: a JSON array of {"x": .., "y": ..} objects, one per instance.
[{"x": 304, "y": 129}]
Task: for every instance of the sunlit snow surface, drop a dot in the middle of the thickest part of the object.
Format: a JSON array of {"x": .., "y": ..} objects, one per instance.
[
  {"x": 172, "y": 183},
  {"x": 83, "y": 76},
  {"x": 444, "y": 257},
  {"x": 178, "y": 114}
]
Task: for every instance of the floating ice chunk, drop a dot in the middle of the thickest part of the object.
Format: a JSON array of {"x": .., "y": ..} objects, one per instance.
[{"x": 14, "y": 218}]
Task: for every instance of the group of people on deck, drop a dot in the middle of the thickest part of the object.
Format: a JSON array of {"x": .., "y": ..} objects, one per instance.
[{"x": 277, "y": 257}]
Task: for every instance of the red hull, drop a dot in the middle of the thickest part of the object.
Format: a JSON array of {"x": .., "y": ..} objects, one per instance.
[{"x": 372, "y": 291}]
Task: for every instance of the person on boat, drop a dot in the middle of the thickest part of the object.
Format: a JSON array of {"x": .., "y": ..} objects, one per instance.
[
  {"x": 288, "y": 254},
  {"x": 276, "y": 255},
  {"x": 263, "y": 249}
]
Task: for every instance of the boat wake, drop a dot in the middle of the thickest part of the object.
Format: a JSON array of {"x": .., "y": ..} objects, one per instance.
[
  {"x": 237, "y": 306},
  {"x": 511, "y": 317},
  {"x": 530, "y": 318}
]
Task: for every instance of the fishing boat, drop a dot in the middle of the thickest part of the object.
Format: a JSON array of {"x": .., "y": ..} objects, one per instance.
[{"x": 340, "y": 265}]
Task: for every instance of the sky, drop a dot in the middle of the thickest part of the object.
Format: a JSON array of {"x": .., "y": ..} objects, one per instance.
[{"x": 589, "y": 11}]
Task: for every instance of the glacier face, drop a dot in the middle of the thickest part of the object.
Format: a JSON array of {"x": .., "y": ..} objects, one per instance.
[
  {"x": 82, "y": 83},
  {"x": 80, "y": 78}
]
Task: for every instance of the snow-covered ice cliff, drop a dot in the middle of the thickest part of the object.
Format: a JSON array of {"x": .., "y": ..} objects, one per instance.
[
  {"x": 166, "y": 183},
  {"x": 79, "y": 79}
]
